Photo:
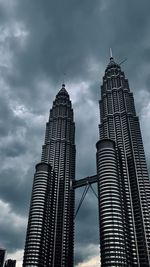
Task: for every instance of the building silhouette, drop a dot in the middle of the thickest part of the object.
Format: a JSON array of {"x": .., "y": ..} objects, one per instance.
[
  {"x": 10, "y": 263},
  {"x": 2, "y": 256},
  {"x": 122, "y": 179}
]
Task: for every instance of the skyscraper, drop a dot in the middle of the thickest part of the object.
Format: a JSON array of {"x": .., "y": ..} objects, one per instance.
[
  {"x": 50, "y": 232},
  {"x": 123, "y": 183},
  {"x": 122, "y": 178}
]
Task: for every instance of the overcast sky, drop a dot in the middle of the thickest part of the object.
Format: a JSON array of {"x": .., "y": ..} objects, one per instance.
[{"x": 39, "y": 42}]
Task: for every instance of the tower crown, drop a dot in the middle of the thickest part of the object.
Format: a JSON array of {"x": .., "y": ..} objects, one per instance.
[
  {"x": 112, "y": 63},
  {"x": 63, "y": 92},
  {"x": 112, "y": 67}
]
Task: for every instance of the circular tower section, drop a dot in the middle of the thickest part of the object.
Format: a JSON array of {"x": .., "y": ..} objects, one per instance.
[{"x": 110, "y": 208}]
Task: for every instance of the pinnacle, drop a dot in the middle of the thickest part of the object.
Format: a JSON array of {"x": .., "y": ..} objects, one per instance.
[
  {"x": 112, "y": 63},
  {"x": 63, "y": 91},
  {"x": 111, "y": 58}
]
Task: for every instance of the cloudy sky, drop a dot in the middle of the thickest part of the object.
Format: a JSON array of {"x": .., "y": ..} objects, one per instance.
[{"x": 39, "y": 42}]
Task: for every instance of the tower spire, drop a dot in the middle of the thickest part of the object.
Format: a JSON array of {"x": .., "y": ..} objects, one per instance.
[
  {"x": 111, "y": 54},
  {"x": 64, "y": 78}
]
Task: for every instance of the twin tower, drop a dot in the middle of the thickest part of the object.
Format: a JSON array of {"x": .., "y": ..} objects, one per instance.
[{"x": 122, "y": 179}]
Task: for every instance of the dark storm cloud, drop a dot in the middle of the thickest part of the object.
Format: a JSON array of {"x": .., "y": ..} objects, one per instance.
[
  {"x": 12, "y": 237},
  {"x": 58, "y": 36},
  {"x": 87, "y": 216},
  {"x": 41, "y": 40},
  {"x": 11, "y": 181},
  {"x": 63, "y": 35},
  {"x": 86, "y": 225}
]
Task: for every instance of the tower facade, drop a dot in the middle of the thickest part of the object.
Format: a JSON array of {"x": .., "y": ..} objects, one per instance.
[
  {"x": 123, "y": 183},
  {"x": 122, "y": 178},
  {"x": 50, "y": 231}
]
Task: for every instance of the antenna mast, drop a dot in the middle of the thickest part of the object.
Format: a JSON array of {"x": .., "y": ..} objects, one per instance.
[{"x": 111, "y": 55}]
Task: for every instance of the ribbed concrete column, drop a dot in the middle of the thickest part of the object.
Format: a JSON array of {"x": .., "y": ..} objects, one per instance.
[
  {"x": 34, "y": 254},
  {"x": 110, "y": 210}
]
